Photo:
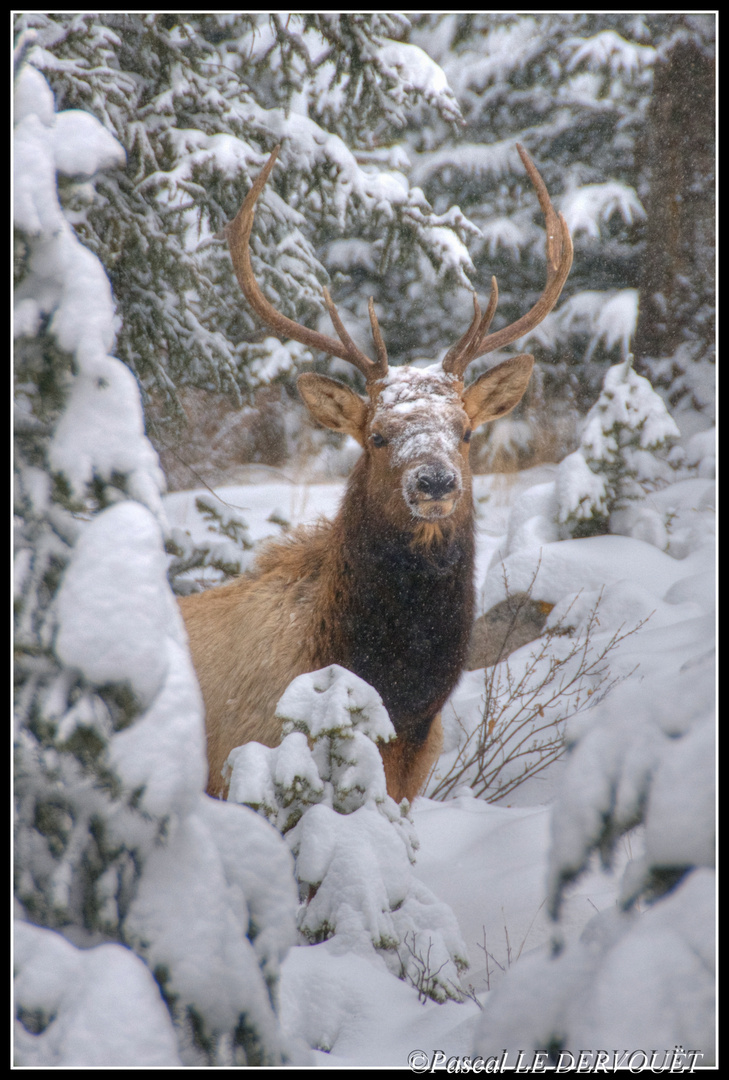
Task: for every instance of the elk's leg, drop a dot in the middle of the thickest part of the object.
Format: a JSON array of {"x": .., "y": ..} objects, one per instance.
[{"x": 408, "y": 764}]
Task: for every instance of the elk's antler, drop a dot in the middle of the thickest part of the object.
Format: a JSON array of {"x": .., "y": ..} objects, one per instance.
[
  {"x": 477, "y": 341},
  {"x": 239, "y": 232}
]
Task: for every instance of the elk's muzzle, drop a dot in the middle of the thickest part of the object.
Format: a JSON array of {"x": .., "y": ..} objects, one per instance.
[{"x": 432, "y": 489}]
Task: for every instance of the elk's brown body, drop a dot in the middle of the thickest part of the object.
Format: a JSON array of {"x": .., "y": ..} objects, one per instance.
[{"x": 386, "y": 589}]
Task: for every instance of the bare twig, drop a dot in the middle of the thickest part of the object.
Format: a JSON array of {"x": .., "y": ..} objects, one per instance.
[
  {"x": 522, "y": 728},
  {"x": 420, "y": 976}
]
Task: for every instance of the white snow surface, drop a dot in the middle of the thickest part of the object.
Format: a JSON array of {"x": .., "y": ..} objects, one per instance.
[{"x": 496, "y": 866}]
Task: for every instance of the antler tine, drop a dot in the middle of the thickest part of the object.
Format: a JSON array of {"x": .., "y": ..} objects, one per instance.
[
  {"x": 559, "y": 261},
  {"x": 378, "y": 340},
  {"x": 451, "y": 359},
  {"x": 239, "y": 233},
  {"x": 460, "y": 355},
  {"x": 373, "y": 369}
]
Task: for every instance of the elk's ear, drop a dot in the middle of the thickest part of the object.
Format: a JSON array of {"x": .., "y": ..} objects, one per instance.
[
  {"x": 497, "y": 391},
  {"x": 334, "y": 405}
]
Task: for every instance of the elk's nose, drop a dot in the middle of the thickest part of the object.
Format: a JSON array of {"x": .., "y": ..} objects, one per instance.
[{"x": 436, "y": 483}]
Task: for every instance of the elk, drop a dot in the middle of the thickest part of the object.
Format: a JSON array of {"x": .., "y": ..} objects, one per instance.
[{"x": 385, "y": 589}]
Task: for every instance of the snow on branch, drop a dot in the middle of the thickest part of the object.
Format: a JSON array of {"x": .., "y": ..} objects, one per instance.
[
  {"x": 493, "y": 159},
  {"x": 417, "y": 74},
  {"x": 609, "y": 49},
  {"x": 610, "y": 318},
  {"x": 586, "y": 207}
]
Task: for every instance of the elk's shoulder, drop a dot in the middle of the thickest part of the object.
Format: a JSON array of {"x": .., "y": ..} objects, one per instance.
[
  {"x": 280, "y": 563},
  {"x": 300, "y": 554}
]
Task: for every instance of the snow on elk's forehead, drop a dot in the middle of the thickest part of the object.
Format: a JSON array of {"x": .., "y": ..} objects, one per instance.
[{"x": 421, "y": 415}]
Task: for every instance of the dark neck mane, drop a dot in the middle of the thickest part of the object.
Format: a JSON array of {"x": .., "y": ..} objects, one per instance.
[{"x": 404, "y": 600}]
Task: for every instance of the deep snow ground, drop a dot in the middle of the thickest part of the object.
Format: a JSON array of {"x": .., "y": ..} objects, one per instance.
[{"x": 490, "y": 863}]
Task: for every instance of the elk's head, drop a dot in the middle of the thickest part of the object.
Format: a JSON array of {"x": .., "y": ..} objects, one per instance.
[{"x": 415, "y": 423}]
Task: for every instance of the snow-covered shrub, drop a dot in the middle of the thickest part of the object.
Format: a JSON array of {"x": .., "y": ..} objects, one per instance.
[
  {"x": 189, "y": 905},
  {"x": 331, "y": 721},
  {"x": 675, "y": 518},
  {"x": 623, "y": 453},
  {"x": 324, "y": 788}
]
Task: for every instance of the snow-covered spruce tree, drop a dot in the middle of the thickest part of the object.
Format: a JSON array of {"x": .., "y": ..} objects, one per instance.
[
  {"x": 624, "y": 453},
  {"x": 573, "y": 89},
  {"x": 576, "y": 89},
  {"x": 160, "y": 918},
  {"x": 198, "y": 102},
  {"x": 324, "y": 788}
]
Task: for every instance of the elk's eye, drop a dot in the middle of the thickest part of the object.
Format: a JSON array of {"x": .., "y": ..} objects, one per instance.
[
  {"x": 378, "y": 440},
  {"x": 467, "y": 436}
]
